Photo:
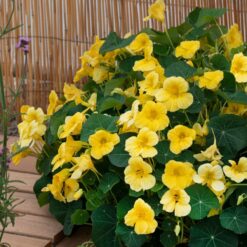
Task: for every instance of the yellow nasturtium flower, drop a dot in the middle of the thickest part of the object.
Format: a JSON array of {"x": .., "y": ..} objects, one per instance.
[
  {"x": 16, "y": 158},
  {"x": 138, "y": 174},
  {"x": 239, "y": 67},
  {"x": 65, "y": 152},
  {"x": 141, "y": 216},
  {"x": 57, "y": 184},
  {"x": 235, "y": 108},
  {"x": 181, "y": 138},
  {"x": 212, "y": 154},
  {"x": 151, "y": 83},
  {"x": 102, "y": 143},
  {"x": 201, "y": 132},
  {"x": 82, "y": 164},
  {"x": 72, "y": 191},
  {"x": 141, "y": 43},
  {"x": 142, "y": 144},
  {"x": 29, "y": 132},
  {"x": 92, "y": 56},
  {"x": 187, "y": 49},
  {"x": 92, "y": 102},
  {"x": 156, "y": 11},
  {"x": 237, "y": 172},
  {"x": 210, "y": 175},
  {"x": 146, "y": 64},
  {"x": 174, "y": 94},
  {"x": 72, "y": 126},
  {"x": 153, "y": 116},
  {"x": 177, "y": 201},
  {"x": 129, "y": 116},
  {"x": 54, "y": 102},
  {"x": 233, "y": 37},
  {"x": 29, "y": 114},
  {"x": 178, "y": 175},
  {"x": 71, "y": 92},
  {"x": 211, "y": 79},
  {"x": 81, "y": 73},
  {"x": 100, "y": 74}
]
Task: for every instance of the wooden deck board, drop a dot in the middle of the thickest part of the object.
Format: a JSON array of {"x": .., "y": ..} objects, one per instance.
[
  {"x": 24, "y": 241},
  {"x": 27, "y": 165},
  {"x": 37, "y": 226},
  {"x": 30, "y": 205},
  {"x": 28, "y": 180}
]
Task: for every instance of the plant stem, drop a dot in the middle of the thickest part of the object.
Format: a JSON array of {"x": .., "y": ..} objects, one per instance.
[
  {"x": 237, "y": 185},
  {"x": 182, "y": 230},
  {"x": 167, "y": 35},
  {"x": 3, "y": 168}
]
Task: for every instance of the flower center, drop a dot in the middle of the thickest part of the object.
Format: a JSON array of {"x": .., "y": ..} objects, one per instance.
[
  {"x": 178, "y": 172},
  {"x": 103, "y": 140},
  {"x": 174, "y": 90},
  {"x": 141, "y": 214},
  {"x": 140, "y": 172},
  {"x": 209, "y": 176},
  {"x": 237, "y": 168},
  {"x": 143, "y": 141},
  {"x": 181, "y": 136},
  {"x": 176, "y": 197},
  {"x": 153, "y": 114}
]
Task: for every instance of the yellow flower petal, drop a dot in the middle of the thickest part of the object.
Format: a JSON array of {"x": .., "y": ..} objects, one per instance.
[
  {"x": 239, "y": 67},
  {"x": 178, "y": 175},
  {"x": 138, "y": 174},
  {"x": 141, "y": 216},
  {"x": 187, "y": 49},
  {"x": 102, "y": 143}
]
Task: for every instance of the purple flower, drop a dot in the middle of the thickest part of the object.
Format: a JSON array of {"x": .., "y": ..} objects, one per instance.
[{"x": 23, "y": 43}]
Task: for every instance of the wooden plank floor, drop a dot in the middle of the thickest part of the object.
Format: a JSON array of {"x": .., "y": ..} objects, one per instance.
[{"x": 35, "y": 227}]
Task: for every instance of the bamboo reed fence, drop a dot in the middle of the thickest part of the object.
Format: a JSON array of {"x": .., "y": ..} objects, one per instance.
[{"x": 60, "y": 30}]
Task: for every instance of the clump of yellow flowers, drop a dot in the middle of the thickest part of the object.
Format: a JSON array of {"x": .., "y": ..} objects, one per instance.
[{"x": 155, "y": 141}]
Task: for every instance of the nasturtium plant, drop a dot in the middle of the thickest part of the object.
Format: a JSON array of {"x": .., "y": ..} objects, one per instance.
[{"x": 151, "y": 150}]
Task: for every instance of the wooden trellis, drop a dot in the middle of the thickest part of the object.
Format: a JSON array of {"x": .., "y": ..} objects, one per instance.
[{"x": 60, "y": 30}]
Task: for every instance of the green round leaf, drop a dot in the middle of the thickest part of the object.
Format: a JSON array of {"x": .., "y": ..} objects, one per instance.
[
  {"x": 228, "y": 84},
  {"x": 180, "y": 69},
  {"x": 204, "y": 16},
  {"x": 114, "y": 42},
  {"x": 79, "y": 217},
  {"x": 108, "y": 181},
  {"x": 94, "y": 199},
  {"x": 123, "y": 206},
  {"x": 236, "y": 97},
  {"x": 198, "y": 100},
  {"x": 129, "y": 237},
  {"x": 220, "y": 62},
  {"x": 202, "y": 200},
  {"x": 109, "y": 102},
  {"x": 127, "y": 64},
  {"x": 164, "y": 154},
  {"x": 98, "y": 121},
  {"x": 168, "y": 239},
  {"x": 119, "y": 157},
  {"x": 234, "y": 219},
  {"x": 154, "y": 202},
  {"x": 230, "y": 132},
  {"x": 210, "y": 233},
  {"x": 104, "y": 222},
  {"x": 112, "y": 84}
]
